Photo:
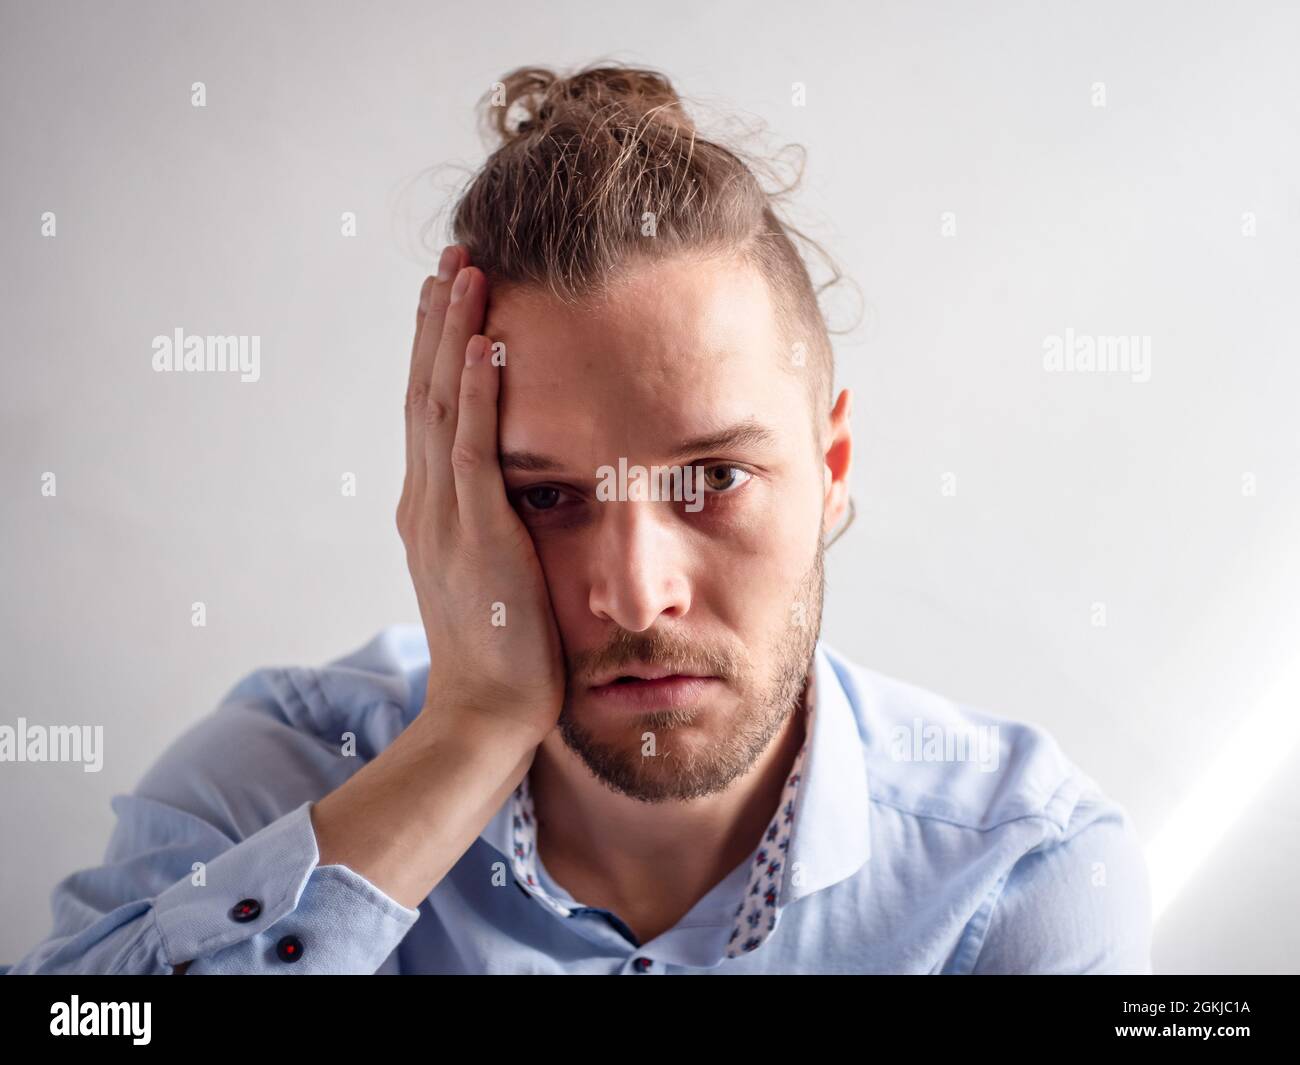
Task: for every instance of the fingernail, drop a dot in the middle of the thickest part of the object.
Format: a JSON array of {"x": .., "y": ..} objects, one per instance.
[
  {"x": 447, "y": 263},
  {"x": 462, "y": 283},
  {"x": 424, "y": 294},
  {"x": 474, "y": 350}
]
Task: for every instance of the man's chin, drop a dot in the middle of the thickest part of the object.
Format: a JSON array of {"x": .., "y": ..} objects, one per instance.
[
  {"x": 678, "y": 771},
  {"x": 664, "y": 755}
]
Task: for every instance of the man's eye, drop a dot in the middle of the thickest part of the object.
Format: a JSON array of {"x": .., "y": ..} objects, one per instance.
[
  {"x": 724, "y": 483},
  {"x": 541, "y": 498}
]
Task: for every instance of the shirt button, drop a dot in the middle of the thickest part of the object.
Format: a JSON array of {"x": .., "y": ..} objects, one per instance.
[
  {"x": 246, "y": 910},
  {"x": 289, "y": 948},
  {"x": 641, "y": 964}
]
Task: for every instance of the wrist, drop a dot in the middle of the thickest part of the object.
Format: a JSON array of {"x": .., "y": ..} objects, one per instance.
[{"x": 480, "y": 734}]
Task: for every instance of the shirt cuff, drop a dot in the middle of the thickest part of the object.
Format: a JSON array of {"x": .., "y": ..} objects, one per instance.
[{"x": 265, "y": 905}]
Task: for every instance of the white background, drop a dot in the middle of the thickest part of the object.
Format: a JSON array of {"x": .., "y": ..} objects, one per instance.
[{"x": 1072, "y": 489}]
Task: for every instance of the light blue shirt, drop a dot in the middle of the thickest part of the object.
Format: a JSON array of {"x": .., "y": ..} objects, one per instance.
[{"x": 926, "y": 836}]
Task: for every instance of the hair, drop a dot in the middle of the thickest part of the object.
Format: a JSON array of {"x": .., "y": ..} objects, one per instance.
[{"x": 602, "y": 170}]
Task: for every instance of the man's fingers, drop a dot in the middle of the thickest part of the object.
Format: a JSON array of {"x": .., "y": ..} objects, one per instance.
[
  {"x": 414, "y": 446},
  {"x": 436, "y": 300},
  {"x": 419, "y": 315},
  {"x": 475, "y": 463},
  {"x": 420, "y": 408},
  {"x": 464, "y": 318}
]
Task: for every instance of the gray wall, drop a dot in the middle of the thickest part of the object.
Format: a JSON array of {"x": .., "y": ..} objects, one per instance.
[{"x": 1071, "y": 488}]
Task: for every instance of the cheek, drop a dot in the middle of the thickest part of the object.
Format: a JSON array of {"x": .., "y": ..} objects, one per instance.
[
  {"x": 752, "y": 592},
  {"x": 752, "y": 580},
  {"x": 762, "y": 572},
  {"x": 771, "y": 534},
  {"x": 569, "y": 585},
  {"x": 566, "y": 580}
]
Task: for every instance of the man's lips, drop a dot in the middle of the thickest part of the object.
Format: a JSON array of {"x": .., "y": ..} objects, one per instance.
[
  {"x": 629, "y": 680},
  {"x": 635, "y": 673},
  {"x": 669, "y": 691}
]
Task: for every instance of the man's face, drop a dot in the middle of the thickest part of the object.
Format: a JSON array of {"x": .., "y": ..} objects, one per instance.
[{"x": 725, "y": 584}]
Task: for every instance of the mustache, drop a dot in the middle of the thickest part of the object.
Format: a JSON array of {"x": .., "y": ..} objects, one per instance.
[{"x": 678, "y": 654}]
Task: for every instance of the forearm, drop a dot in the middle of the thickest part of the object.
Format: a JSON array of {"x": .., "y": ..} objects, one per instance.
[{"x": 406, "y": 818}]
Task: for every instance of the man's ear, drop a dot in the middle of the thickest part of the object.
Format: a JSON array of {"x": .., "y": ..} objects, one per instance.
[{"x": 837, "y": 465}]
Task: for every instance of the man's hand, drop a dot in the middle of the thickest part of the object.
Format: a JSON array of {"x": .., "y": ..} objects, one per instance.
[
  {"x": 403, "y": 820},
  {"x": 494, "y": 645}
]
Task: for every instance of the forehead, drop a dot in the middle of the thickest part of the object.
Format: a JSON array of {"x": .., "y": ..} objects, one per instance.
[{"x": 669, "y": 350}]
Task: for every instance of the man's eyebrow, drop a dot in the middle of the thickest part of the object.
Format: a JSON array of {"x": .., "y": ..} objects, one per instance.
[{"x": 742, "y": 435}]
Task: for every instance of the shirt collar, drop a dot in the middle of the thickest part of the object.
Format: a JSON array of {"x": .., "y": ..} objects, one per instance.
[
  {"x": 818, "y": 836},
  {"x": 831, "y": 839}
]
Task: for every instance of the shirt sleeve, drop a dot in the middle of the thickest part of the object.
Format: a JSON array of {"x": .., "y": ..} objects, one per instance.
[
  {"x": 260, "y": 905},
  {"x": 213, "y": 857},
  {"x": 1080, "y": 903}
]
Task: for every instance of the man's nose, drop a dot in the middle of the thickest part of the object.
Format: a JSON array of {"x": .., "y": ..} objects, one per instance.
[{"x": 637, "y": 564}]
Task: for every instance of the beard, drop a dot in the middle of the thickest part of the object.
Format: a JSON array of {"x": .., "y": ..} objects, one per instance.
[{"x": 770, "y": 684}]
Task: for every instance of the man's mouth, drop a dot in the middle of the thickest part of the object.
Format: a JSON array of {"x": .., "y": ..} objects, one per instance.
[
  {"x": 643, "y": 674},
  {"x": 667, "y": 690}
]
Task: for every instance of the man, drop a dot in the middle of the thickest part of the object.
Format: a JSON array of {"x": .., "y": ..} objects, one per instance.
[{"x": 630, "y": 752}]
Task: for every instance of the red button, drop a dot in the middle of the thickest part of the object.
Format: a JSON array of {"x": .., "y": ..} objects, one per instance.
[
  {"x": 246, "y": 910},
  {"x": 289, "y": 948}
]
